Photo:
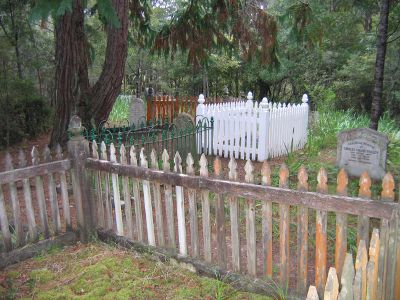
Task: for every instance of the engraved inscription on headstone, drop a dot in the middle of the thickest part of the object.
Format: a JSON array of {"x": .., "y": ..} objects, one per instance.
[
  {"x": 362, "y": 149},
  {"x": 137, "y": 112}
]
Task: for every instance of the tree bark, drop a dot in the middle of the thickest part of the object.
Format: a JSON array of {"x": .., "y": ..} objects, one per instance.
[
  {"x": 108, "y": 87},
  {"x": 376, "y": 107},
  {"x": 74, "y": 95}
]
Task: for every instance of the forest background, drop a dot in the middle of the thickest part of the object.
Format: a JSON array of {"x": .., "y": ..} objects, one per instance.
[{"x": 277, "y": 49}]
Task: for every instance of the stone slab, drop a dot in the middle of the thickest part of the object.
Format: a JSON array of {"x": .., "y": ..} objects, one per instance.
[
  {"x": 137, "y": 112},
  {"x": 362, "y": 149}
]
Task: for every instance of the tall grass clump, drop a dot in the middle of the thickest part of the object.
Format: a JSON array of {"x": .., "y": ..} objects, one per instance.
[
  {"x": 323, "y": 134},
  {"x": 392, "y": 129},
  {"x": 120, "y": 111}
]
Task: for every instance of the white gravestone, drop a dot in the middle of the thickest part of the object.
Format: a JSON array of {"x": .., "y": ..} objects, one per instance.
[
  {"x": 362, "y": 149},
  {"x": 137, "y": 112}
]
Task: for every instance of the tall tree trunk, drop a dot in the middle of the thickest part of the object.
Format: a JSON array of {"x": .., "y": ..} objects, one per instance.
[
  {"x": 376, "y": 107},
  {"x": 74, "y": 95},
  {"x": 367, "y": 22},
  {"x": 108, "y": 87}
]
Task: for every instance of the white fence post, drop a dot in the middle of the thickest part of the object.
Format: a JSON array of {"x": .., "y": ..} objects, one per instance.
[
  {"x": 200, "y": 114},
  {"x": 263, "y": 128}
]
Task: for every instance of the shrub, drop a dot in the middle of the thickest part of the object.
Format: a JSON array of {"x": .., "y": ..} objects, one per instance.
[{"x": 24, "y": 113}]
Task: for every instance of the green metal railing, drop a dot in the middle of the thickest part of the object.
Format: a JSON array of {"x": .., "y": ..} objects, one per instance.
[{"x": 195, "y": 139}]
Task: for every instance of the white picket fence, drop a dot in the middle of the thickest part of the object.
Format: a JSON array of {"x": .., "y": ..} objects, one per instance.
[{"x": 248, "y": 130}]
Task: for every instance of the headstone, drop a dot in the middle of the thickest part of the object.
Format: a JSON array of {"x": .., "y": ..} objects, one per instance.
[
  {"x": 184, "y": 126},
  {"x": 137, "y": 112},
  {"x": 362, "y": 149},
  {"x": 183, "y": 121}
]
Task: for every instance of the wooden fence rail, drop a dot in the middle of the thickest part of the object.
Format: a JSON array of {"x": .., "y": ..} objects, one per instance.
[{"x": 234, "y": 225}]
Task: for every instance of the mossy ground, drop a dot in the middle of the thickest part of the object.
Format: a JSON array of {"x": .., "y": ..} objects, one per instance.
[{"x": 100, "y": 271}]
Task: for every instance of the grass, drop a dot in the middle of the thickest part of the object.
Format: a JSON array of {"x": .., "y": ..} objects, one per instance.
[
  {"x": 100, "y": 271},
  {"x": 120, "y": 111}
]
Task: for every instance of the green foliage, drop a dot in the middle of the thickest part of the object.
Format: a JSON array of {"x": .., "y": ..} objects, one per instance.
[
  {"x": 25, "y": 114},
  {"x": 107, "y": 12},
  {"x": 42, "y": 9},
  {"x": 120, "y": 111},
  {"x": 325, "y": 97}
]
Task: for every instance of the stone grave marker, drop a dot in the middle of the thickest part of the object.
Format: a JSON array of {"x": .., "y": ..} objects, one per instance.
[
  {"x": 137, "y": 114},
  {"x": 182, "y": 122},
  {"x": 362, "y": 149}
]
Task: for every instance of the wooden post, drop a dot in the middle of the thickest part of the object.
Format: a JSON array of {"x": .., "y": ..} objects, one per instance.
[
  {"x": 302, "y": 235},
  {"x": 346, "y": 281},
  {"x": 205, "y": 203},
  {"x": 393, "y": 236},
  {"x": 148, "y": 208},
  {"x": 383, "y": 255},
  {"x": 392, "y": 254},
  {"x": 107, "y": 196},
  {"x": 169, "y": 204},
  {"x": 116, "y": 194},
  {"x": 267, "y": 222},
  {"x": 55, "y": 212},
  {"x": 284, "y": 229},
  {"x": 332, "y": 285},
  {"x": 157, "y": 201},
  {"x": 99, "y": 195},
  {"x": 127, "y": 194},
  {"x": 64, "y": 192},
  {"x": 5, "y": 230},
  {"x": 194, "y": 230},
  {"x": 372, "y": 266},
  {"x": 363, "y": 221},
  {"x": 137, "y": 199},
  {"x": 220, "y": 219},
  {"x": 360, "y": 280},
  {"x": 250, "y": 224},
  {"x": 180, "y": 208},
  {"x": 78, "y": 149},
  {"x": 19, "y": 230},
  {"x": 321, "y": 236},
  {"x": 40, "y": 195},
  {"x": 234, "y": 216},
  {"x": 341, "y": 225},
  {"x": 30, "y": 214}
]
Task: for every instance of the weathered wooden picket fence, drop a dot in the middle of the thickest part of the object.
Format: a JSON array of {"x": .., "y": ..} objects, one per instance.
[
  {"x": 165, "y": 108},
  {"x": 255, "y": 131},
  {"x": 204, "y": 230},
  {"x": 35, "y": 203},
  {"x": 283, "y": 237}
]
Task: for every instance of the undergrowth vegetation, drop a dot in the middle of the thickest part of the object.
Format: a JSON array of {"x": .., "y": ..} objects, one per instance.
[{"x": 100, "y": 271}]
